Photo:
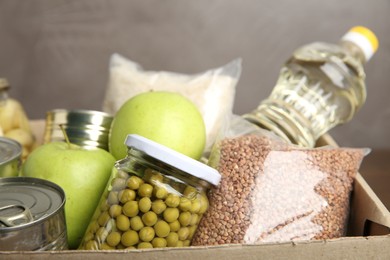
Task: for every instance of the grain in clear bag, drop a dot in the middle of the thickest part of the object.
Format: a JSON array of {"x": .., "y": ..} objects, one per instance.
[{"x": 271, "y": 191}]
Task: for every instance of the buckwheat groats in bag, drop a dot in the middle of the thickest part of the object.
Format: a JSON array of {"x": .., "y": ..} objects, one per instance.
[{"x": 273, "y": 192}]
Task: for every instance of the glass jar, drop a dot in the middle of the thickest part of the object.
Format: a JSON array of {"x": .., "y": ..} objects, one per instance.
[
  {"x": 14, "y": 123},
  {"x": 154, "y": 198}
]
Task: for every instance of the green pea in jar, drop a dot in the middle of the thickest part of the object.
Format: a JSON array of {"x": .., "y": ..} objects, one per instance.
[{"x": 155, "y": 198}]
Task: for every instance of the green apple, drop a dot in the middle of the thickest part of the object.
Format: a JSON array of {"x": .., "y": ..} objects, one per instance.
[
  {"x": 82, "y": 173},
  {"x": 167, "y": 118}
]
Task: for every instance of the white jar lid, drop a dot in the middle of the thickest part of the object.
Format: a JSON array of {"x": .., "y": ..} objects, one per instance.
[
  {"x": 364, "y": 38},
  {"x": 174, "y": 158}
]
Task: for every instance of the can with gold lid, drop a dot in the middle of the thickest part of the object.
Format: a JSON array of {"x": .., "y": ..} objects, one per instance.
[
  {"x": 10, "y": 157},
  {"x": 87, "y": 128}
]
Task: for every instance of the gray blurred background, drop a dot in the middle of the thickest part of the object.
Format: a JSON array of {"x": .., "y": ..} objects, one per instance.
[{"x": 55, "y": 53}]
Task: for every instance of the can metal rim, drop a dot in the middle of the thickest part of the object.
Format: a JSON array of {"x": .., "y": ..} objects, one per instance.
[
  {"x": 34, "y": 181},
  {"x": 83, "y": 111},
  {"x": 82, "y": 115}
]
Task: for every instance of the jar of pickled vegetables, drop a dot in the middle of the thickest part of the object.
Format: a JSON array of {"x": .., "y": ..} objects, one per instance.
[
  {"x": 14, "y": 123},
  {"x": 155, "y": 198}
]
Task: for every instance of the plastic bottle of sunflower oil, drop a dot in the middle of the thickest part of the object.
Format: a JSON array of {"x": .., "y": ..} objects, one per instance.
[{"x": 320, "y": 86}]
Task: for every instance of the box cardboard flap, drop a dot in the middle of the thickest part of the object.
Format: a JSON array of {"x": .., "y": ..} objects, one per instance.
[
  {"x": 368, "y": 215},
  {"x": 343, "y": 248}
]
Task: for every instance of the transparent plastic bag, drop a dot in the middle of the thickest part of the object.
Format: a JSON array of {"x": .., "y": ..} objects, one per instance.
[
  {"x": 272, "y": 191},
  {"x": 212, "y": 91}
]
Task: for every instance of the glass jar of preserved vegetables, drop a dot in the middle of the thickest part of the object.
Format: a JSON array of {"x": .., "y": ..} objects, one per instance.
[
  {"x": 155, "y": 198},
  {"x": 14, "y": 122}
]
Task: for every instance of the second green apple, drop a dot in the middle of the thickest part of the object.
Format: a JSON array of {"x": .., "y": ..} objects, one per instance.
[{"x": 165, "y": 117}]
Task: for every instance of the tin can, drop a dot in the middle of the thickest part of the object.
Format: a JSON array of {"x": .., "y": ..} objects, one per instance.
[
  {"x": 32, "y": 215},
  {"x": 10, "y": 157},
  {"x": 87, "y": 128}
]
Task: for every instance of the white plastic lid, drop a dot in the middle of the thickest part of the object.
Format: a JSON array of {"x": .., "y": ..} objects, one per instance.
[
  {"x": 364, "y": 38},
  {"x": 174, "y": 158}
]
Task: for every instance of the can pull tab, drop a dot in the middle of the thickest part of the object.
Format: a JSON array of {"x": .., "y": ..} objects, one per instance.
[{"x": 15, "y": 215}]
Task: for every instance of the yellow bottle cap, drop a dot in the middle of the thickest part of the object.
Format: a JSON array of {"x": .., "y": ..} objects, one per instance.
[{"x": 364, "y": 38}]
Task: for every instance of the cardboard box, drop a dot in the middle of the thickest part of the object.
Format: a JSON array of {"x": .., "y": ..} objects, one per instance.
[{"x": 368, "y": 236}]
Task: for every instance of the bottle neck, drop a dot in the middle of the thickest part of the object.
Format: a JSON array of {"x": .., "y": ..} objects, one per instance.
[{"x": 353, "y": 50}]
